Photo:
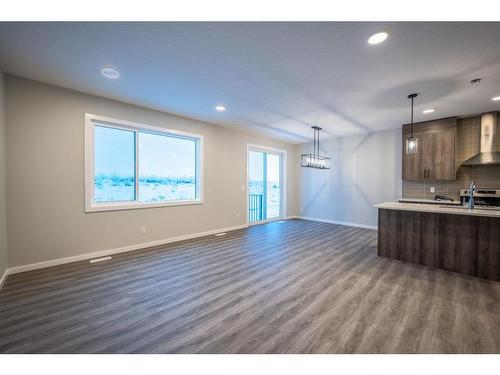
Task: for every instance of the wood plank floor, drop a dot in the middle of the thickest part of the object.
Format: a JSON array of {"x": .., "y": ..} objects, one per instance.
[{"x": 291, "y": 287}]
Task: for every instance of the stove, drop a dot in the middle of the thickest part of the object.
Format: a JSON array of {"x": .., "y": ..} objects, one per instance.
[{"x": 482, "y": 197}]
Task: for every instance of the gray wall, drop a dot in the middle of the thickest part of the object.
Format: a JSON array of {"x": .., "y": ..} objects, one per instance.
[
  {"x": 3, "y": 195},
  {"x": 366, "y": 170},
  {"x": 45, "y": 177}
]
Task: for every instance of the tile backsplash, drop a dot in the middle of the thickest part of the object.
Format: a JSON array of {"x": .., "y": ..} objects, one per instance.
[{"x": 468, "y": 144}]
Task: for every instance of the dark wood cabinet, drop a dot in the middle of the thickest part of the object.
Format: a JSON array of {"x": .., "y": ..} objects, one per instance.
[
  {"x": 435, "y": 159},
  {"x": 443, "y": 154},
  {"x": 459, "y": 243},
  {"x": 412, "y": 169},
  {"x": 426, "y": 154}
]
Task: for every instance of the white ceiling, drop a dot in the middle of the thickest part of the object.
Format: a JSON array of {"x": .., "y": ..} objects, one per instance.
[{"x": 274, "y": 78}]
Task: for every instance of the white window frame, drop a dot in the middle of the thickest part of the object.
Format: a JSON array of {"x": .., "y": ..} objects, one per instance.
[{"x": 91, "y": 121}]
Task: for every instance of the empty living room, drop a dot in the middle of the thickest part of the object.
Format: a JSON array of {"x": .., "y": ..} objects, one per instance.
[{"x": 197, "y": 186}]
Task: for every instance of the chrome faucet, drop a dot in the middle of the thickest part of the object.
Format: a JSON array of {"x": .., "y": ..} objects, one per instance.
[{"x": 472, "y": 189}]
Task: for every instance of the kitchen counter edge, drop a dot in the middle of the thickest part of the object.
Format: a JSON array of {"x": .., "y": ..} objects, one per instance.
[{"x": 433, "y": 208}]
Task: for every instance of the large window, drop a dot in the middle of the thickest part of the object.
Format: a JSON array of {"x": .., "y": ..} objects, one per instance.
[{"x": 131, "y": 165}]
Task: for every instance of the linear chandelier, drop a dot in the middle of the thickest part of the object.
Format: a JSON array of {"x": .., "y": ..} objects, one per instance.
[{"x": 314, "y": 160}]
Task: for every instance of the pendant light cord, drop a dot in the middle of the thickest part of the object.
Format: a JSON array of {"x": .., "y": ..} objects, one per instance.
[
  {"x": 412, "y": 116},
  {"x": 314, "y": 142},
  {"x": 316, "y": 148},
  {"x": 316, "y": 130},
  {"x": 412, "y": 96}
]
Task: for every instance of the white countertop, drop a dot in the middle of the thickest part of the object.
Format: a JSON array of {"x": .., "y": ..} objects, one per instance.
[{"x": 434, "y": 208}]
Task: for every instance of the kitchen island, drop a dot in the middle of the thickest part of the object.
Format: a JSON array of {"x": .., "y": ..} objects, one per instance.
[{"x": 452, "y": 238}]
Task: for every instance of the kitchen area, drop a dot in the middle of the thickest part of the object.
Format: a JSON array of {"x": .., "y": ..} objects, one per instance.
[{"x": 449, "y": 214}]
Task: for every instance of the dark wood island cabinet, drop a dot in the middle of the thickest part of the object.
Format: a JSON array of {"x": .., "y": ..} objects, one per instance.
[{"x": 451, "y": 239}]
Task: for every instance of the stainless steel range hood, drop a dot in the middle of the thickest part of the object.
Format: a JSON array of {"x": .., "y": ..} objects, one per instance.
[{"x": 489, "y": 155}]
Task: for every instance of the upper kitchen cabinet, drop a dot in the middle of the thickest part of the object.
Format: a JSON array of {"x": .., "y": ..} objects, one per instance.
[{"x": 436, "y": 156}]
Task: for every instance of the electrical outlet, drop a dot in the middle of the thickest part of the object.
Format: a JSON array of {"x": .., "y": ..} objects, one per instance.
[
  {"x": 237, "y": 216},
  {"x": 143, "y": 230},
  {"x": 301, "y": 209},
  {"x": 432, "y": 189}
]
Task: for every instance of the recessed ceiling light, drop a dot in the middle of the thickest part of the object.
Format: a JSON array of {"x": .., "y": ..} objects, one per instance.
[
  {"x": 110, "y": 73},
  {"x": 378, "y": 38},
  {"x": 430, "y": 110},
  {"x": 220, "y": 108},
  {"x": 496, "y": 98}
]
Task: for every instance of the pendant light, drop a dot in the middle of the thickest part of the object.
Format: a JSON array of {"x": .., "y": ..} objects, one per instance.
[
  {"x": 314, "y": 160},
  {"x": 412, "y": 141}
]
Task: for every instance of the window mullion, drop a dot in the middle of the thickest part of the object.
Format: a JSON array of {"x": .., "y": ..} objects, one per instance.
[{"x": 137, "y": 166}]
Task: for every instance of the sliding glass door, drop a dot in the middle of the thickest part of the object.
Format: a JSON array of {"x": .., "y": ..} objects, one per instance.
[
  {"x": 273, "y": 186},
  {"x": 265, "y": 180}
]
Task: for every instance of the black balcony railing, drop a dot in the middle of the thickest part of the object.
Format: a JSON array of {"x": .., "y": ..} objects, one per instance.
[{"x": 255, "y": 207}]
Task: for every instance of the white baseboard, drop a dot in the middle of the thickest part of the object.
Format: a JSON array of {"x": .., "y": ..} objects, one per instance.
[
  {"x": 338, "y": 222},
  {"x": 144, "y": 245},
  {"x": 4, "y": 277},
  {"x": 124, "y": 249},
  {"x": 272, "y": 220}
]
